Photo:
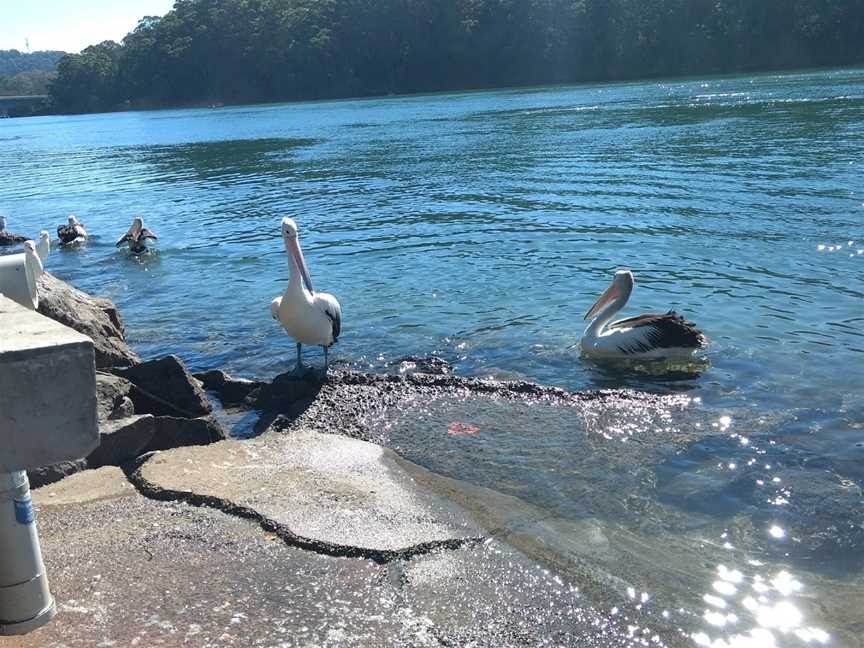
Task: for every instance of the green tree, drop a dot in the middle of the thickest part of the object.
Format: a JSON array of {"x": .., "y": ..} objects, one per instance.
[
  {"x": 88, "y": 82},
  {"x": 206, "y": 51}
]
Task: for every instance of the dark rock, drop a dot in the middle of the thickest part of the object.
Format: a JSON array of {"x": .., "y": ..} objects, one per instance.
[
  {"x": 289, "y": 393},
  {"x": 94, "y": 317},
  {"x": 171, "y": 432},
  {"x": 122, "y": 440},
  {"x": 231, "y": 391},
  {"x": 112, "y": 397},
  {"x": 164, "y": 387},
  {"x": 54, "y": 473},
  {"x": 8, "y": 239},
  {"x": 350, "y": 401}
]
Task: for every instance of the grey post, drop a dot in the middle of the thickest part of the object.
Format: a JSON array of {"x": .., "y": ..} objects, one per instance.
[{"x": 47, "y": 415}]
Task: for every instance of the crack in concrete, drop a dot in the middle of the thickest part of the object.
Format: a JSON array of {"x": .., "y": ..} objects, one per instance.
[{"x": 379, "y": 556}]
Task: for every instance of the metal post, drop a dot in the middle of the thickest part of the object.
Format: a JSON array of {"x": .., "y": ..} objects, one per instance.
[{"x": 25, "y": 601}]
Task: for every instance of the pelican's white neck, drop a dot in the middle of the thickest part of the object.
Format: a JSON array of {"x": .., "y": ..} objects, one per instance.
[
  {"x": 294, "y": 275},
  {"x": 299, "y": 280},
  {"x": 596, "y": 325}
]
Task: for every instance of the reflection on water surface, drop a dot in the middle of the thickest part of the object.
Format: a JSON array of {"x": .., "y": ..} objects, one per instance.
[{"x": 668, "y": 503}]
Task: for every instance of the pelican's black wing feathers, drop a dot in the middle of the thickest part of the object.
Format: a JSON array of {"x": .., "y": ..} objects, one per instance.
[{"x": 664, "y": 331}]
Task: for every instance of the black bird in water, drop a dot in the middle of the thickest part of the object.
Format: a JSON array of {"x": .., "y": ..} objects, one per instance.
[
  {"x": 73, "y": 233},
  {"x": 8, "y": 238}
]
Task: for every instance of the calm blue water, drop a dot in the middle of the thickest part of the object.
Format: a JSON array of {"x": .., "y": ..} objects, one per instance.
[{"x": 481, "y": 226}]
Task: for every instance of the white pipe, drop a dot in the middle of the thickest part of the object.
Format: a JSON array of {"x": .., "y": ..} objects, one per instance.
[
  {"x": 25, "y": 601},
  {"x": 18, "y": 280}
]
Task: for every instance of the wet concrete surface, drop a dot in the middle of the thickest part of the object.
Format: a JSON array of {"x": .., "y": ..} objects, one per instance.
[
  {"x": 339, "y": 495},
  {"x": 130, "y": 571},
  {"x": 612, "y": 536}
]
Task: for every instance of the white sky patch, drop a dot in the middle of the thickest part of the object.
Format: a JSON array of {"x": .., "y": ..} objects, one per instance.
[{"x": 72, "y": 25}]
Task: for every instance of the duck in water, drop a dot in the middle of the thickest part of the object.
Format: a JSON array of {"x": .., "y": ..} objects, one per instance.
[
  {"x": 136, "y": 237},
  {"x": 8, "y": 238},
  {"x": 71, "y": 234}
]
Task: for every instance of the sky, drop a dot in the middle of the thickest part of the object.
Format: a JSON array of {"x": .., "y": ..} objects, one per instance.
[{"x": 71, "y": 25}]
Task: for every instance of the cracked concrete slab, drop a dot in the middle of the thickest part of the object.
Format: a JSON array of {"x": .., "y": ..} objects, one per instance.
[
  {"x": 331, "y": 490},
  {"x": 129, "y": 571}
]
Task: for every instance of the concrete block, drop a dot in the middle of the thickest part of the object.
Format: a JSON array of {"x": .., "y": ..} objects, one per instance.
[{"x": 47, "y": 391}]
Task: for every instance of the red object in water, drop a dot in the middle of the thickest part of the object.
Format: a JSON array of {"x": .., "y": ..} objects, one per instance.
[{"x": 457, "y": 428}]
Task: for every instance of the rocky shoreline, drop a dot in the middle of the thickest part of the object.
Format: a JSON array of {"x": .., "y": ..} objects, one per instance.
[{"x": 310, "y": 497}]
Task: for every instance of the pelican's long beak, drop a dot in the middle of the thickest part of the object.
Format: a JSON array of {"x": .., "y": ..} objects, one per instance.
[
  {"x": 610, "y": 294},
  {"x": 295, "y": 251}
]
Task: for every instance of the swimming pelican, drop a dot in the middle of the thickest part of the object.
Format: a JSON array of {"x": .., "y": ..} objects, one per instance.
[
  {"x": 43, "y": 246},
  {"x": 8, "y": 238},
  {"x": 651, "y": 336},
  {"x": 308, "y": 317},
  {"x": 73, "y": 233},
  {"x": 136, "y": 236},
  {"x": 31, "y": 258}
]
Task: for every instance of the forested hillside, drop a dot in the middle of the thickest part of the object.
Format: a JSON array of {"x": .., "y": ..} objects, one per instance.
[
  {"x": 13, "y": 62},
  {"x": 25, "y": 74},
  {"x": 267, "y": 50}
]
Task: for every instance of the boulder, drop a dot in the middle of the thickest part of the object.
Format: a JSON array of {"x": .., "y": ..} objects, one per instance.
[
  {"x": 112, "y": 397},
  {"x": 122, "y": 440},
  {"x": 172, "y": 432},
  {"x": 164, "y": 387},
  {"x": 96, "y": 318},
  {"x": 55, "y": 472},
  {"x": 231, "y": 391},
  {"x": 289, "y": 393}
]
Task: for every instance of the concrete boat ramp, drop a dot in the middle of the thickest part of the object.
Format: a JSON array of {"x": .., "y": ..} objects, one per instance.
[{"x": 295, "y": 539}]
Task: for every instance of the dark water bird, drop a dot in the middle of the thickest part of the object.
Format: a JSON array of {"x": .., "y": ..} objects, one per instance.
[
  {"x": 136, "y": 237},
  {"x": 71, "y": 234},
  {"x": 8, "y": 238},
  {"x": 308, "y": 317},
  {"x": 644, "y": 336}
]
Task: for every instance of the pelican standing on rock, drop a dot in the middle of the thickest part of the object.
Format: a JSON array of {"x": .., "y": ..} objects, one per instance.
[
  {"x": 43, "y": 246},
  {"x": 645, "y": 336},
  {"x": 31, "y": 258},
  {"x": 73, "y": 233},
  {"x": 136, "y": 236},
  {"x": 308, "y": 317}
]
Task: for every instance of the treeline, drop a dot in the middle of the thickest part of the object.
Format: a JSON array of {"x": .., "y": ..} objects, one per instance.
[
  {"x": 32, "y": 82},
  {"x": 206, "y": 51},
  {"x": 27, "y": 74},
  {"x": 13, "y": 62}
]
